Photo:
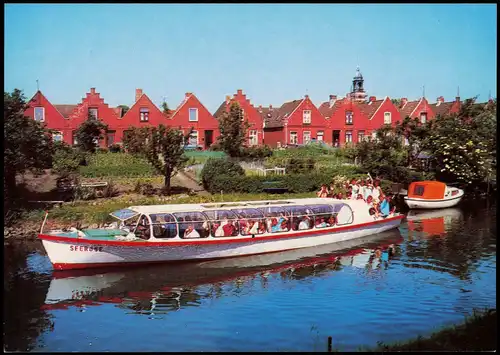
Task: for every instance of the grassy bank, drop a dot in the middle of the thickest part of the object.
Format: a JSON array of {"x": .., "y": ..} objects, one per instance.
[{"x": 477, "y": 333}]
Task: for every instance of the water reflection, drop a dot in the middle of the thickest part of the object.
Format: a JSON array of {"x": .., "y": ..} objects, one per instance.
[{"x": 159, "y": 289}]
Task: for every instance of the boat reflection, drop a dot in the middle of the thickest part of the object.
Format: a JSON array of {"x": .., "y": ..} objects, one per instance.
[
  {"x": 159, "y": 289},
  {"x": 434, "y": 222}
]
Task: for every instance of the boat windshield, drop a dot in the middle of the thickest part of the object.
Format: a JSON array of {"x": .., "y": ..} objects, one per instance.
[{"x": 124, "y": 214}]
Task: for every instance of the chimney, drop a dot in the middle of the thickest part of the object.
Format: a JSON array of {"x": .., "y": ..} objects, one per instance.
[
  {"x": 248, "y": 101},
  {"x": 228, "y": 98},
  {"x": 260, "y": 108},
  {"x": 306, "y": 96},
  {"x": 270, "y": 107},
  {"x": 404, "y": 100},
  {"x": 457, "y": 99},
  {"x": 333, "y": 98},
  {"x": 372, "y": 98},
  {"x": 92, "y": 90},
  {"x": 239, "y": 92},
  {"x": 188, "y": 94},
  {"x": 138, "y": 94}
]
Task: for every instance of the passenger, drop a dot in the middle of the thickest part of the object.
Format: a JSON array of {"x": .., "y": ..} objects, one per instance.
[
  {"x": 331, "y": 221},
  {"x": 229, "y": 229},
  {"x": 284, "y": 226},
  {"x": 219, "y": 231},
  {"x": 190, "y": 232},
  {"x": 362, "y": 186},
  {"x": 254, "y": 228},
  {"x": 335, "y": 196},
  {"x": 340, "y": 196},
  {"x": 331, "y": 192},
  {"x": 385, "y": 208},
  {"x": 348, "y": 196},
  {"x": 355, "y": 188},
  {"x": 360, "y": 197},
  {"x": 377, "y": 191},
  {"x": 262, "y": 228},
  {"x": 368, "y": 190},
  {"x": 275, "y": 227},
  {"x": 323, "y": 192},
  {"x": 320, "y": 223},
  {"x": 305, "y": 223}
]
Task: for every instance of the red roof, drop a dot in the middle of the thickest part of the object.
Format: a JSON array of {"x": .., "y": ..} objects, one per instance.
[
  {"x": 270, "y": 117},
  {"x": 442, "y": 108},
  {"x": 407, "y": 109},
  {"x": 327, "y": 111},
  {"x": 65, "y": 110},
  {"x": 369, "y": 109}
]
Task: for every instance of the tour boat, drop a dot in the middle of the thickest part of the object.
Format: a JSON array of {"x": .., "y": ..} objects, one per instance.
[
  {"x": 432, "y": 194},
  {"x": 111, "y": 285},
  {"x": 173, "y": 233}
]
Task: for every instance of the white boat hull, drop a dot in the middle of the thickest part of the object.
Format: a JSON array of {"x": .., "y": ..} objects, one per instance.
[
  {"x": 73, "y": 253},
  {"x": 432, "y": 204}
]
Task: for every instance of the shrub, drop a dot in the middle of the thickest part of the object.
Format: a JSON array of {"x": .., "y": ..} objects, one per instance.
[
  {"x": 66, "y": 160},
  {"x": 256, "y": 152},
  {"x": 215, "y": 167},
  {"x": 85, "y": 193},
  {"x": 116, "y": 165},
  {"x": 110, "y": 190},
  {"x": 115, "y": 148}
]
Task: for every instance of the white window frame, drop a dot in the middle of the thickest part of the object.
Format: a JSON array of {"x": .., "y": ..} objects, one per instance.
[
  {"x": 304, "y": 134},
  {"x": 57, "y": 134},
  {"x": 253, "y": 137},
  {"x": 363, "y": 136},
  {"x": 242, "y": 114},
  {"x": 306, "y": 116},
  {"x": 346, "y": 135},
  {"x": 349, "y": 114},
  {"x": 194, "y": 133},
  {"x": 193, "y": 109},
  {"x": 294, "y": 137},
  {"x": 96, "y": 117},
  {"x": 387, "y": 118},
  {"x": 142, "y": 116},
  {"x": 43, "y": 113},
  {"x": 423, "y": 117},
  {"x": 320, "y": 134}
]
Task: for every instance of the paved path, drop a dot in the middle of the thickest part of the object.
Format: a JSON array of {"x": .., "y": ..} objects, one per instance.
[{"x": 189, "y": 183}]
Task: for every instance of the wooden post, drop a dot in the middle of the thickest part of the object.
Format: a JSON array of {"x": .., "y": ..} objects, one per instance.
[{"x": 329, "y": 344}]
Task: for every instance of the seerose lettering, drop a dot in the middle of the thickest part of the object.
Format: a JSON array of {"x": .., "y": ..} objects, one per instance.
[{"x": 84, "y": 248}]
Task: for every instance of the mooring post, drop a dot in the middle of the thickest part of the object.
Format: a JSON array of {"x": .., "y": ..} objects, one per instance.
[{"x": 329, "y": 344}]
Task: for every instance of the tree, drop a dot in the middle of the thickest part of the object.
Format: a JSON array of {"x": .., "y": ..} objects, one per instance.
[
  {"x": 164, "y": 149},
  {"x": 396, "y": 102},
  {"x": 416, "y": 134},
  {"x": 27, "y": 143},
  {"x": 135, "y": 139},
  {"x": 89, "y": 133},
  {"x": 124, "y": 108},
  {"x": 232, "y": 131},
  {"x": 166, "y": 109}
]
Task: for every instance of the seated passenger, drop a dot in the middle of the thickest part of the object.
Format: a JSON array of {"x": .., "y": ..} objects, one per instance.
[
  {"x": 320, "y": 223},
  {"x": 331, "y": 221},
  {"x": 348, "y": 196},
  {"x": 219, "y": 230},
  {"x": 229, "y": 229},
  {"x": 283, "y": 226},
  {"x": 190, "y": 232},
  {"x": 360, "y": 197},
  {"x": 384, "y": 207},
  {"x": 304, "y": 224},
  {"x": 262, "y": 228},
  {"x": 340, "y": 196},
  {"x": 275, "y": 226},
  {"x": 254, "y": 229}
]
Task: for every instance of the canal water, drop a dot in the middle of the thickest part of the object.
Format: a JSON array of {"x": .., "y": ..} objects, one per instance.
[{"x": 431, "y": 272}]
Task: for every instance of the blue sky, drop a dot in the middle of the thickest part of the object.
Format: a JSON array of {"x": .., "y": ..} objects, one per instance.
[{"x": 274, "y": 52}]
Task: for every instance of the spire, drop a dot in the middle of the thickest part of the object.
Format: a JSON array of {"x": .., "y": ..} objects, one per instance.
[
  {"x": 37, "y": 86},
  {"x": 458, "y": 91}
]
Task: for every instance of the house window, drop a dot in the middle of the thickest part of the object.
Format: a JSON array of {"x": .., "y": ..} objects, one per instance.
[
  {"x": 348, "y": 136},
  {"x": 387, "y": 118},
  {"x": 306, "y": 116},
  {"x": 348, "y": 117},
  {"x": 93, "y": 113},
  {"x": 361, "y": 136},
  {"x": 144, "y": 114},
  {"x": 423, "y": 117},
  {"x": 253, "y": 138},
  {"x": 57, "y": 137},
  {"x": 293, "y": 138},
  {"x": 111, "y": 137},
  {"x": 193, "y": 115},
  {"x": 374, "y": 135},
  {"x": 307, "y": 137},
  {"x": 40, "y": 114},
  {"x": 320, "y": 136},
  {"x": 75, "y": 141},
  {"x": 193, "y": 138},
  {"x": 242, "y": 114}
]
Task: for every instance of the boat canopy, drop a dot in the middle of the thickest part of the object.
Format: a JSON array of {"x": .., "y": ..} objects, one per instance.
[
  {"x": 124, "y": 214},
  {"x": 428, "y": 190}
]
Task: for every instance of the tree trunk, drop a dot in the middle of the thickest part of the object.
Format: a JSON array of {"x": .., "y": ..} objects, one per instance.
[{"x": 168, "y": 175}]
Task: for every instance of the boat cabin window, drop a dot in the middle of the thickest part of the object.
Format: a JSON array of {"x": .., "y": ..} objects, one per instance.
[
  {"x": 301, "y": 217},
  {"x": 164, "y": 225},
  {"x": 192, "y": 225},
  {"x": 143, "y": 228},
  {"x": 343, "y": 213},
  {"x": 324, "y": 215},
  {"x": 418, "y": 190},
  {"x": 277, "y": 219},
  {"x": 224, "y": 223},
  {"x": 251, "y": 221}
]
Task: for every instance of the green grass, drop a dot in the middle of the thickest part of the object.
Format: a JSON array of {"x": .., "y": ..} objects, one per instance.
[
  {"x": 116, "y": 165},
  {"x": 200, "y": 157},
  {"x": 97, "y": 211}
]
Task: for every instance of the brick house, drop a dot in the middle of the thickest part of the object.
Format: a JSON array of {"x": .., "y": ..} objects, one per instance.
[
  {"x": 255, "y": 133},
  {"x": 441, "y": 108},
  {"x": 55, "y": 117},
  {"x": 418, "y": 108},
  {"x": 346, "y": 121},
  {"x": 295, "y": 122},
  {"x": 379, "y": 113},
  {"x": 192, "y": 113},
  {"x": 143, "y": 113}
]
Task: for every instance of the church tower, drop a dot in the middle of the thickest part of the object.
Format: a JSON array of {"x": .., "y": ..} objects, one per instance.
[{"x": 358, "y": 92}]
